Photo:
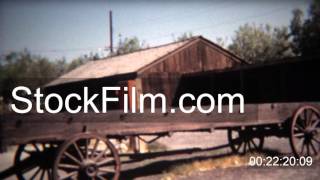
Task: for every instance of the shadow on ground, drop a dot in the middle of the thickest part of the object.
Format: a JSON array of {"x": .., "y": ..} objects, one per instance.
[{"x": 160, "y": 166}]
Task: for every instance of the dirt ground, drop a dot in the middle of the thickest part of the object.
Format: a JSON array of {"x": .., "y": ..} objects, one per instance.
[
  {"x": 274, "y": 173},
  {"x": 184, "y": 147}
]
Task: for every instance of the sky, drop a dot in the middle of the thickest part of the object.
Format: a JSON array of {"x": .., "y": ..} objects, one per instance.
[{"x": 69, "y": 29}]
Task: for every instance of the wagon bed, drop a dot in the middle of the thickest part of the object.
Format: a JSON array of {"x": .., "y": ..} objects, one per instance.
[
  {"x": 21, "y": 129},
  {"x": 52, "y": 135}
]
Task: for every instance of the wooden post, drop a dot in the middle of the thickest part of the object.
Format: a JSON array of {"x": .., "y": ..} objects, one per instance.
[
  {"x": 111, "y": 32},
  {"x": 135, "y": 144}
]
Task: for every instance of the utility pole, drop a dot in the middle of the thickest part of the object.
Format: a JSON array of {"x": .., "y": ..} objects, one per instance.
[{"x": 111, "y": 32}]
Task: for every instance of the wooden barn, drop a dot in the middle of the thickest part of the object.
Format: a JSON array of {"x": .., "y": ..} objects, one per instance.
[
  {"x": 152, "y": 70},
  {"x": 282, "y": 80}
]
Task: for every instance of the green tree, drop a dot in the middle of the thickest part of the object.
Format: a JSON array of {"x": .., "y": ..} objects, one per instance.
[
  {"x": 24, "y": 69},
  {"x": 184, "y": 36},
  {"x": 80, "y": 61},
  {"x": 306, "y": 33},
  {"x": 261, "y": 43},
  {"x": 220, "y": 41},
  {"x": 33, "y": 71},
  {"x": 75, "y": 63},
  {"x": 129, "y": 45}
]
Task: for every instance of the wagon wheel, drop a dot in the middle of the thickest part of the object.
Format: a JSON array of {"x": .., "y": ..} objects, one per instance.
[
  {"x": 242, "y": 141},
  {"x": 305, "y": 132},
  {"x": 34, "y": 161},
  {"x": 87, "y": 156}
]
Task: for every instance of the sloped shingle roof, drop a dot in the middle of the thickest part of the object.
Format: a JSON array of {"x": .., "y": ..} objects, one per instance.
[
  {"x": 128, "y": 63},
  {"x": 116, "y": 65}
]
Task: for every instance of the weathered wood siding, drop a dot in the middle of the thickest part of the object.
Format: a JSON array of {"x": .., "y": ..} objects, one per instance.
[
  {"x": 165, "y": 83},
  {"x": 163, "y": 76},
  {"x": 62, "y": 126},
  {"x": 289, "y": 81},
  {"x": 197, "y": 57}
]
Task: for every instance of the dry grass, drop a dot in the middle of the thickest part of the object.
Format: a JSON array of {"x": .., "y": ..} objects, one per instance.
[
  {"x": 157, "y": 147},
  {"x": 189, "y": 168}
]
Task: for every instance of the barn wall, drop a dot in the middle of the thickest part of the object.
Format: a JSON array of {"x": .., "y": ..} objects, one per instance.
[
  {"x": 164, "y": 76},
  {"x": 215, "y": 59},
  {"x": 278, "y": 82},
  {"x": 165, "y": 83},
  {"x": 198, "y": 57}
]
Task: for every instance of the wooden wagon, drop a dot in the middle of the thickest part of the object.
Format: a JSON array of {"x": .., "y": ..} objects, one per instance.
[{"x": 282, "y": 99}]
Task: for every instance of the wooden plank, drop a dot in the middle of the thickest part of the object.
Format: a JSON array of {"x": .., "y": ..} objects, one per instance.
[
  {"x": 198, "y": 56},
  {"x": 17, "y": 129},
  {"x": 253, "y": 112},
  {"x": 59, "y": 131}
]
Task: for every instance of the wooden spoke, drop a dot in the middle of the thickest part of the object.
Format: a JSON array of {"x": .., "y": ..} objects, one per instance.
[
  {"x": 27, "y": 151},
  {"x": 304, "y": 129},
  {"x": 316, "y": 124},
  {"x": 305, "y": 118},
  {"x": 242, "y": 141},
  {"x": 49, "y": 174},
  {"x": 245, "y": 147},
  {"x": 104, "y": 161},
  {"x": 302, "y": 148},
  {"x": 106, "y": 170},
  {"x": 299, "y": 128},
  {"x": 313, "y": 118},
  {"x": 299, "y": 135},
  {"x": 36, "y": 147},
  {"x": 301, "y": 123},
  {"x": 95, "y": 148},
  {"x": 86, "y": 148},
  {"x": 42, "y": 174},
  {"x": 74, "y": 159},
  {"x": 308, "y": 149},
  {"x": 90, "y": 165},
  {"x": 35, "y": 160},
  {"x": 68, "y": 166},
  {"x": 69, "y": 175},
  {"x": 75, "y": 145},
  {"x": 316, "y": 140},
  {"x": 254, "y": 144},
  {"x": 251, "y": 147},
  {"x": 239, "y": 146},
  {"x": 100, "y": 155},
  {"x": 237, "y": 141},
  {"x": 313, "y": 148},
  {"x": 36, "y": 173},
  {"x": 101, "y": 177}
]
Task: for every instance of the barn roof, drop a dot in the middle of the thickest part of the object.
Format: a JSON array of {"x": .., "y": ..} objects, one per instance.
[{"x": 124, "y": 64}]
